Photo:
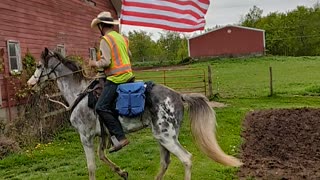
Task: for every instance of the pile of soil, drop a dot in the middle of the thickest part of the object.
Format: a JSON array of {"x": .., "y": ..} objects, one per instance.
[{"x": 281, "y": 144}]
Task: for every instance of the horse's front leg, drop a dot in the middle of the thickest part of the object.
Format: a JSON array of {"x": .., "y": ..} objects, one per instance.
[
  {"x": 88, "y": 146},
  {"x": 113, "y": 166}
]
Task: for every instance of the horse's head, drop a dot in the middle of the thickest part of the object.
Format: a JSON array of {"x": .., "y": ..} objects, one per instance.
[
  {"x": 41, "y": 73},
  {"x": 52, "y": 66}
]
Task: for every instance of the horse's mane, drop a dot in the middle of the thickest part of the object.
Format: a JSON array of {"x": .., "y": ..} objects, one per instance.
[{"x": 70, "y": 64}]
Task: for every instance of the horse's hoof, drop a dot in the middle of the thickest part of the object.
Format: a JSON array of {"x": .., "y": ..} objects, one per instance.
[{"x": 125, "y": 175}]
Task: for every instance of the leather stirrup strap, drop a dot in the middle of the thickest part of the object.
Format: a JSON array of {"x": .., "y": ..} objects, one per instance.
[{"x": 101, "y": 82}]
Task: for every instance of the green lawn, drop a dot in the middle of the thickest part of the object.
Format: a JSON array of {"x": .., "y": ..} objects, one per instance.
[{"x": 241, "y": 83}]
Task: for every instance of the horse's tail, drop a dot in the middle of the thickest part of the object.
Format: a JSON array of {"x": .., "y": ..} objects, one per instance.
[{"x": 203, "y": 122}]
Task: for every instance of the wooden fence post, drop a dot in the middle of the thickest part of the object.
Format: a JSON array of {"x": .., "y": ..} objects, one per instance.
[
  {"x": 164, "y": 77},
  {"x": 271, "y": 83},
  {"x": 210, "y": 82}
]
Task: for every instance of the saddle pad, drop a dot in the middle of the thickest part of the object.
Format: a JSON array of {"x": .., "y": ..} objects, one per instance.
[{"x": 131, "y": 99}]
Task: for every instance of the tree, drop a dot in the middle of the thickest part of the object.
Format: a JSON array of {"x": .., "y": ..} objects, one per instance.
[
  {"x": 142, "y": 47},
  {"x": 252, "y": 17},
  {"x": 294, "y": 33},
  {"x": 171, "y": 46},
  {"x": 174, "y": 45}
]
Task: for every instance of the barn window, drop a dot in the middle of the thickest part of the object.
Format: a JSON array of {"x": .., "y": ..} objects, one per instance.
[
  {"x": 61, "y": 49},
  {"x": 93, "y": 54},
  {"x": 14, "y": 56}
]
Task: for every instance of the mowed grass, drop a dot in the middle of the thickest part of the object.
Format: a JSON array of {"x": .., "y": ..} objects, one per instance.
[{"x": 243, "y": 85}]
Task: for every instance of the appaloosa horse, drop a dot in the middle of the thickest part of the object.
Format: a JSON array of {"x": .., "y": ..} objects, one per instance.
[{"x": 163, "y": 112}]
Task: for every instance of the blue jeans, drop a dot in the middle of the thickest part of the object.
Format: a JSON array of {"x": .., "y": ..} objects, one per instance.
[{"x": 105, "y": 108}]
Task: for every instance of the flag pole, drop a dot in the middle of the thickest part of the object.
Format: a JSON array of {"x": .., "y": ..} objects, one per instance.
[
  {"x": 120, "y": 27},
  {"x": 117, "y": 4}
]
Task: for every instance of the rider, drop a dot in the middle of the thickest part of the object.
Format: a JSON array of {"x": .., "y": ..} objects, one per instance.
[{"x": 115, "y": 61}]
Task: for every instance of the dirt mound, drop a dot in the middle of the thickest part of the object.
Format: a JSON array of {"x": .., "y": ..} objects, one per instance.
[{"x": 281, "y": 144}]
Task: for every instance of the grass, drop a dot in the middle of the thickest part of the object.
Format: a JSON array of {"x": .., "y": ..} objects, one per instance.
[{"x": 241, "y": 83}]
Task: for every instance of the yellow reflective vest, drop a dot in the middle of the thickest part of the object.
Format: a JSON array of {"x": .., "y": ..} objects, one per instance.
[{"x": 119, "y": 70}]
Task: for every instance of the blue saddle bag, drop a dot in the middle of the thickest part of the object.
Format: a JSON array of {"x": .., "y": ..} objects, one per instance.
[{"x": 131, "y": 99}]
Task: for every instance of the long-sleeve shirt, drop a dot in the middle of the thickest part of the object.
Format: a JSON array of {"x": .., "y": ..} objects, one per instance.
[{"x": 105, "y": 60}]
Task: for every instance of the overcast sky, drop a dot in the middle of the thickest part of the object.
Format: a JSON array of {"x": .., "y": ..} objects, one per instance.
[{"x": 224, "y": 12}]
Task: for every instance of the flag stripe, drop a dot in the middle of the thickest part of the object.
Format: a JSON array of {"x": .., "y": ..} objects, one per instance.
[
  {"x": 162, "y": 26},
  {"x": 203, "y": 7},
  {"x": 172, "y": 19},
  {"x": 177, "y": 15},
  {"x": 161, "y": 21},
  {"x": 141, "y": 12},
  {"x": 170, "y": 8}
]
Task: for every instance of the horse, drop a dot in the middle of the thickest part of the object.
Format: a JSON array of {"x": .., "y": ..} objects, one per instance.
[{"x": 164, "y": 114}]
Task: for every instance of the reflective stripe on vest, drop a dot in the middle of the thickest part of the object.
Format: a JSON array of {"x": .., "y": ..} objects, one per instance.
[
  {"x": 127, "y": 43},
  {"x": 120, "y": 62},
  {"x": 123, "y": 69},
  {"x": 114, "y": 49}
]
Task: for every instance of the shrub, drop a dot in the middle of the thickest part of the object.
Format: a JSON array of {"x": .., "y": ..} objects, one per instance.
[{"x": 7, "y": 146}]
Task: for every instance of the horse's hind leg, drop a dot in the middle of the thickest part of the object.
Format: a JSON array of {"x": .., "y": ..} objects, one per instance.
[
  {"x": 88, "y": 146},
  {"x": 103, "y": 158},
  {"x": 164, "y": 161},
  {"x": 173, "y": 145}
]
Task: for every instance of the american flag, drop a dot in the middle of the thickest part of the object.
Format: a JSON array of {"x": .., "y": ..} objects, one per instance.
[{"x": 174, "y": 15}]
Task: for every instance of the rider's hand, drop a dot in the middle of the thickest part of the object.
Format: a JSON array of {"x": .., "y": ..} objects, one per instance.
[{"x": 92, "y": 63}]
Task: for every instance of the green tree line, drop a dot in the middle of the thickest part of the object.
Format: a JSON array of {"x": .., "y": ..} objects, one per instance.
[
  {"x": 294, "y": 33},
  {"x": 171, "y": 46}
]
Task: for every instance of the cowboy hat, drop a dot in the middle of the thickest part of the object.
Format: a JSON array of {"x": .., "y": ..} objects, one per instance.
[{"x": 103, "y": 17}]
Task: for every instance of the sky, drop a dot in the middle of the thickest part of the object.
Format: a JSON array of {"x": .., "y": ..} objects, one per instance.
[{"x": 224, "y": 12}]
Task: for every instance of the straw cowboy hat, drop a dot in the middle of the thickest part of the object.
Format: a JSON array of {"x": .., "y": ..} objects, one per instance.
[{"x": 103, "y": 17}]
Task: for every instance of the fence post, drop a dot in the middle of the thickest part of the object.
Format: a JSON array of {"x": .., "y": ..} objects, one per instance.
[
  {"x": 271, "y": 83},
  {"x": 210, "y": 82},
  {"x": 41, "y": 131},
  {"x": 164, "y": 77}
]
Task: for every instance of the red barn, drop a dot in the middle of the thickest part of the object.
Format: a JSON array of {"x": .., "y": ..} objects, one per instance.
[
  {"x": 34, "y": 24},
  {"x": 230, "y": 40}
]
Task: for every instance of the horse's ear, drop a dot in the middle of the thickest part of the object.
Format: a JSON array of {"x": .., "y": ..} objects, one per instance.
[{"x": 46, "y": 51}]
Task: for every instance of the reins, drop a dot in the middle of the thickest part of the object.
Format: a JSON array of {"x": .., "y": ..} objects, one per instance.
[
  {"x": 54, "y": 68},
  {"x": 71, "y": 107}
]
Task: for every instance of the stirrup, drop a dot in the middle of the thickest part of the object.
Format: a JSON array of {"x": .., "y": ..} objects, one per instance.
[
  {"x": 115, "y": 141},
  {"x": 118, "y": 145}
]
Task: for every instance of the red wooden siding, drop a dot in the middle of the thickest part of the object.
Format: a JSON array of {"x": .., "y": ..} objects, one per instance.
[
  {"x": 230, "y": 40},
  {"x": 37, "y": 24}
]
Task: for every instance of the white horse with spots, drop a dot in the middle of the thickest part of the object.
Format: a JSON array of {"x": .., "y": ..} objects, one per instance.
[{"x": 163, "y": 113}]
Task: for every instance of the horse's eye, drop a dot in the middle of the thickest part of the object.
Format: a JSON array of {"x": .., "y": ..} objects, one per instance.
[{"x": 38, "y": 66}]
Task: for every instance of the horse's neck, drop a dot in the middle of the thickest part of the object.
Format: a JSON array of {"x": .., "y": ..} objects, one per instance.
[{"x": 70, "y": 87}]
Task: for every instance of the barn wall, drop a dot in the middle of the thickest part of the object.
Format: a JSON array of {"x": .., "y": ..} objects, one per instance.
[
  {"x": 239, "y": 41},
  {"x": 37, "y": 24}
]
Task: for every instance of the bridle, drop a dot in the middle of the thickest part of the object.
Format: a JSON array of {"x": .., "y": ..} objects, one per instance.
[
  {"x": 49, "y": 73},
  {"x": 53, "y": 70}
]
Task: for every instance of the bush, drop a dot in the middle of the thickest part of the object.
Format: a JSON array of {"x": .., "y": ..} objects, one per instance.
[
  {"x": 7, "y": 146},
  {"x": 187, "y": 60},
  {"x": 31, "y": 127},
  {"x": 33, "y": 122}
]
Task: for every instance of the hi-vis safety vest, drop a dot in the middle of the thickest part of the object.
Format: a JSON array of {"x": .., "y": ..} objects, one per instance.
[{"x": 119, "y": 70}]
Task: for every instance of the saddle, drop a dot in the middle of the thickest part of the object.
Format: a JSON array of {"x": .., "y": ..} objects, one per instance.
[{"x": 94, "y": 91}]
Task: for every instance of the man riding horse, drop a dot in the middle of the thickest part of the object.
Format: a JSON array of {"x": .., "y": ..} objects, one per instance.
[{"x": 115, "y": 61}]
